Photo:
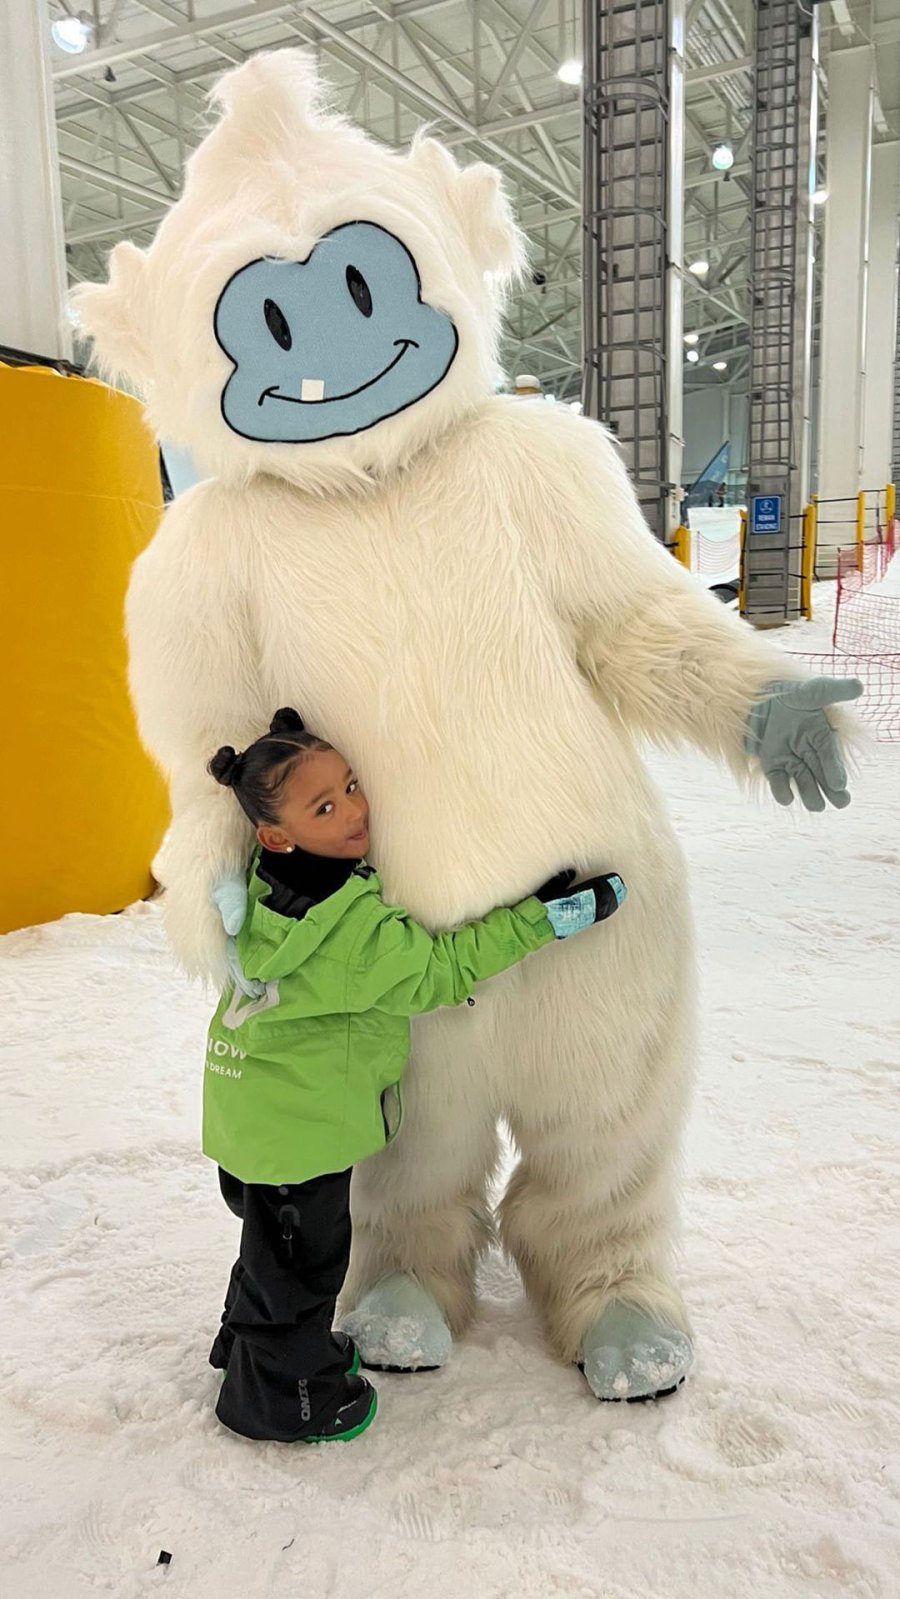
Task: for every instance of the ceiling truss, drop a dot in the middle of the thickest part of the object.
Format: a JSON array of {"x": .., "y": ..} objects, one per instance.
[{"x": 482, "y": 73}]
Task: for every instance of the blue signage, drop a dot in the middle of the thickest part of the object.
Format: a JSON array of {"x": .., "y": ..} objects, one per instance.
[{"x": 765, "y": 513}]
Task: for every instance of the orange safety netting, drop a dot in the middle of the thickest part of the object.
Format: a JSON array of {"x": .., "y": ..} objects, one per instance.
[{"x": 866, "y": 637}]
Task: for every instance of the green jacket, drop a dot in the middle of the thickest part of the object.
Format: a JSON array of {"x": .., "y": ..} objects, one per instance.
[{"x": 304, "y": 1080}]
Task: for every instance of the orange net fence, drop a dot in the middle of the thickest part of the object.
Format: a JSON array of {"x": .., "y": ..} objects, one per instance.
[{"x": 866, "y": 638}]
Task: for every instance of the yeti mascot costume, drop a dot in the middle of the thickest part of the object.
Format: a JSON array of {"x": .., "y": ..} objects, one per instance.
[{"x": 457, "y": 589}]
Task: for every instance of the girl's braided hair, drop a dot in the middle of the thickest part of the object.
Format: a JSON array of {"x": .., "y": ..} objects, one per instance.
[{"x": 258, "y": 774}]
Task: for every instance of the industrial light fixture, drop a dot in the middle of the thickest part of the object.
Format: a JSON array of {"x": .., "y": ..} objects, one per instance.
[
  {"x": 693, "y": 357},
  {"x": 692, "y": 338},
  {"x": 73, "y": 34},
  {"x": 720, "y": 366},
  {"x": 699, "y": 268},
  {"x": 570, "y": 71},
  {"x": 819, "y": 196},
  {"x": 723, "y": 158}
]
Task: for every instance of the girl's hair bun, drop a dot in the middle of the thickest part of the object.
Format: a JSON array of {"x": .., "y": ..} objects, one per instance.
[
  {"x": 258, "y": 774},
  {"x": 287, "y": 721},
  {"x": 224, "y": 765}
]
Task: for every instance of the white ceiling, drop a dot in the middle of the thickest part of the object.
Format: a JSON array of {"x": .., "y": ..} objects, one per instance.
[{"x": 481, "y": 72}]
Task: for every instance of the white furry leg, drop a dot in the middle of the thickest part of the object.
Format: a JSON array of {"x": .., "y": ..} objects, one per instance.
[
  {"x": 596, "y": 1079},
  {"x": 584, "y": 1238},
  {"x": 420, "y": 1215}
]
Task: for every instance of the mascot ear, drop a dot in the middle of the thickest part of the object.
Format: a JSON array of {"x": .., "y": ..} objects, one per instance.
[
  {"x": 480, "y": 204},
  {"x": 115, "y": 316}
]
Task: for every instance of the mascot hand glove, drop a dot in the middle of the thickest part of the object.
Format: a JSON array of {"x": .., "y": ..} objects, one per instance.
[
  {"x": 230, "y": 900},
  {"x": 794, "y": 740},
  {"x": 247, "y": 985},
  {"x": 590, "y": 902}
]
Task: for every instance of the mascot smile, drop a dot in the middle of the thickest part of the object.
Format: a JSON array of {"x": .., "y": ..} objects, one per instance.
[{"x": 353, "y": 308}]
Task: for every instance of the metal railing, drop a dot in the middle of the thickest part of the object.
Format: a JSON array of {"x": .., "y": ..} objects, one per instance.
[
  {"x": 868, "y": 513},
  {"x": 871, "y": 519},
  {"x": 871, "y": 514}
]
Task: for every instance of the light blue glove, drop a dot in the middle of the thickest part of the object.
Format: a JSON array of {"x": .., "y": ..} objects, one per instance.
[
  {"x": 795, "y": 741},
  {"x": 250, "y": 986},
  {"x": 230, "y": 900}
]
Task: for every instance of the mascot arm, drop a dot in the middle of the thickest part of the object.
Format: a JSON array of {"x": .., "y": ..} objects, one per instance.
[
  {"x": 194, "y": 685},
  {"x": 676, "y": 665}
]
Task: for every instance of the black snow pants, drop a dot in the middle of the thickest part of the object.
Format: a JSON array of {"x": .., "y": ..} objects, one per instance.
[{"x": 284, "y": 1373}]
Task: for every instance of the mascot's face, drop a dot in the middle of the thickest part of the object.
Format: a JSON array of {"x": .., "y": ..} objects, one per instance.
[
  {"x": 315, "y": 306},
  {"x": 327, "y": 347}
]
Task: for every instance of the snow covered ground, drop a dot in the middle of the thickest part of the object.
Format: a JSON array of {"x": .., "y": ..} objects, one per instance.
[{"x": 775, "y": 1473}]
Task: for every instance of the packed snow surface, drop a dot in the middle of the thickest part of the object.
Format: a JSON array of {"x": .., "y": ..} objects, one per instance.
[{"x": 774, "y": 1473}]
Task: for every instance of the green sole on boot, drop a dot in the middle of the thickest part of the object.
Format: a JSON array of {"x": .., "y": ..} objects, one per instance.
[{"x": 345, "y": 1437}]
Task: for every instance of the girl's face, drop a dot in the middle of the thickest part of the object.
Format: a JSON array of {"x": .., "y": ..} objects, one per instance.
[{"x": 323, "y": 810}]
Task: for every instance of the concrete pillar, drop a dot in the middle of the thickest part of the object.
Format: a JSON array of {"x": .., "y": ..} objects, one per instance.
[
  {"x": 32, "y": 257},
  {"x": 881, "y": 312},
  {"x": 845, "y": 287}
]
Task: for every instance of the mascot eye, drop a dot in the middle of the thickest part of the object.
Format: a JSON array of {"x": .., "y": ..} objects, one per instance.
[
  {"x": 359, "y": 289},
  {"x": 276, "y": 322}
]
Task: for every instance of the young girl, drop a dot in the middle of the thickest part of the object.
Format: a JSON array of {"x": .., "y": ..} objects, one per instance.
[{"x": 303, "y": 1065}]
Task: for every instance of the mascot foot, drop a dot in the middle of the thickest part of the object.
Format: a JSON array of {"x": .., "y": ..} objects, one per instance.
[
  {"x": 631, "y": 1354},
  {"x": 397, "y": 1326}
]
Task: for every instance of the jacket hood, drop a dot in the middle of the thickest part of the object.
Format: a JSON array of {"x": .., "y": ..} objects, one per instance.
[{"x": 270, "y": 945}]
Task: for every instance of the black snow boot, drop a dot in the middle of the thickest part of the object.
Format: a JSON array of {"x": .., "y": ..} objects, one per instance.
[{"x": 354, "y": 1413}]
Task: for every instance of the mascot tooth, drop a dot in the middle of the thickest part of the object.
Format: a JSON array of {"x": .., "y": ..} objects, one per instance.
[{"x": 457, "y": 588}]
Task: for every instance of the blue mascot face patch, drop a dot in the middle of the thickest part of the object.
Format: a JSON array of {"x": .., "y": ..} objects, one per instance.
[{"x": 329, "y": 346}]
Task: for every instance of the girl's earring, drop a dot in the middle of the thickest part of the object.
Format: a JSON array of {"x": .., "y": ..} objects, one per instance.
[{"x": 288, "y": 849}]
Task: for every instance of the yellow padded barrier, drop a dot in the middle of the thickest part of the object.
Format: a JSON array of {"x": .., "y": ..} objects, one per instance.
[{"x": 82, "y": 807}]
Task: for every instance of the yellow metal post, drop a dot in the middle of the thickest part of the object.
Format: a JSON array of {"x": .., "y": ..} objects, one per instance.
[
  {"x": 890, "y": 504},
  {"x": 806, "y": 566},
  {"x": 860, "y": 528},
  {"x": 814, "y": 507},
  {"x": 683, "y": 546}
]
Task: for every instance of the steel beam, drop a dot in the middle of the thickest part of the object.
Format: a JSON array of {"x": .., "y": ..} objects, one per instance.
[
  {"x": 510, "y": 65},
  {"x": 109, "y": 180},
  {"x": 718, "y": 69},
  {"x": 422, "y": 97},
  {"x": 168, "y": 178},
  {"x": 224, "y": 21},
  {"x": 108, "y": 230}
]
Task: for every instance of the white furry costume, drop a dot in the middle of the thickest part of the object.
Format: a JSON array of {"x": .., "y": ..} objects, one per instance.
[{"x": 464, "y": 599}]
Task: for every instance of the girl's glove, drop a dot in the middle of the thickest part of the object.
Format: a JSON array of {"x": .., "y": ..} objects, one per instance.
[{"x": 590, "y": 902}]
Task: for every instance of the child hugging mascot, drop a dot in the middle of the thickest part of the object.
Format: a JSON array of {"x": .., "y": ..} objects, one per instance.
[{"x": 456, "y": 589}]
